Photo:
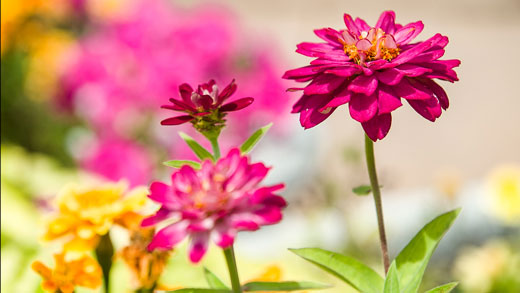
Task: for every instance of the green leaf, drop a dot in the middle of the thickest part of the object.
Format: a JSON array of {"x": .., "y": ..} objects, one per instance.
[
  {"x": 351, "y": 271},
  {"x": 392, "y": 280},
  {"x": 446, "y": 288},
  {"x": 213, "y": 281},
  {"x": 199, "y": 150},
  {"x": 250, "y": 143},
  {"x": 362, "y": 190},
  {"x": 413, "y": 259},
  {"x": 200, "y": 290},
  {"x": 180, "y": 163},
  {"x": 282, "y": 286}
]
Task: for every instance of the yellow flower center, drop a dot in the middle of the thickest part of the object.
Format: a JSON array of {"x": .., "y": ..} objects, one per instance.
[{"x": 380, "y": 48}]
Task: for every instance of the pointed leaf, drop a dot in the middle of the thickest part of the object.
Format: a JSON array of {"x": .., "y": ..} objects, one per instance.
[
  {"x": 250, "y": 143},
  {"x": 199, "y": 150},
  {"x": 413, "y": 259},
  {"x": 348, "y": 269},
  {"x": 213, "y": 281},
  {"x": 392, "y": 280},
  {"x": 362, "y": 190},
  {"x": 180, "y": 163},
  {"x": 200, "y": 290},
  {"x": 446, "y": 288},
  {"x": 282, "y": 286}
]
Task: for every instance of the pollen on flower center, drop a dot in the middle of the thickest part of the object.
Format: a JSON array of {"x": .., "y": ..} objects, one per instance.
[{"x": 369, "y": 46}]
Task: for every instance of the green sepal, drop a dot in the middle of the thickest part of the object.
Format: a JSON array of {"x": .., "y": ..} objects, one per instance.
[
  {"x": 362, "y": 190},
  {"x": 199, "y": 150},
  {"x": 446, "y": 288},
  {"x": 180, "y": 163},
  {"x": 213, "y": 281},
  {"x": 250, "y": 143},
  {"x": 348, "y": 269},
  {"x": 413, "y": 259},
  {"x": 282, "y": 286}
]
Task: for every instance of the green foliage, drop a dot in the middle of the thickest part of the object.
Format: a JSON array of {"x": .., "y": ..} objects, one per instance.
[
  {"x": 199, "y": 150},
  {"x": 180, "y": 163},
  {"x": 282, "y": 286},
  {"x": 201, "y": 290},
  {"x": 213, "y": 281},
  {"x": 348, "y": 269},
  {"x": 250, "y": 143},
  {"x": 446, "y": 288},
  {"x": 392, "y": 280},
  {"x": 413, "y": 259},
  {"x": 362, "y": 190}
]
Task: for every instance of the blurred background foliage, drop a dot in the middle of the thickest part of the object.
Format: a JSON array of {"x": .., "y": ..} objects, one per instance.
[{"x": 81, "y": 86}]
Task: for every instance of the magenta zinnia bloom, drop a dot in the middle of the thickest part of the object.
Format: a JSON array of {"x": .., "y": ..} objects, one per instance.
[
  {"x": 371, "y": 69},
  {"x": 214, "y": 202},
  {"x": 205, "y": 106}
]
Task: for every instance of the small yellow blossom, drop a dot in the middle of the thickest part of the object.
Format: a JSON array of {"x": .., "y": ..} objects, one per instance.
[
  {"x": 67, "y": 274},
  {"x": 83, "y": 214},
  {"x": 146, "y": 266},
  {"x": 504, "y": 193}
]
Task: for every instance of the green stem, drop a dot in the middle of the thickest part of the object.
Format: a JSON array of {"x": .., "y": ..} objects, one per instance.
[
  {"x": 232, "y": 267},
  {"x": 215, "y": 146},
  {"x": 371, "y": 165},
  {"x": 104, "y": 254}
]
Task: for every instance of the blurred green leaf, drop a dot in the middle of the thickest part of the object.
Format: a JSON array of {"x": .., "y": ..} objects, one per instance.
[
  {"x": 348, "y": 269},
  {"x": 362, "y": 190},
  {"x": 413, "y": 259},
  {"x": 392, "y": 280},
  {"x": 250, "y": 143},
  {"x": 199, "y": 150},
  {"x": 446, "y": 288},
  {"x": 180, "y": 163},
  {"x": 282, "y": 286},
  {"x": 213, "y": 281},
  {"x": 201, "y": 290}
]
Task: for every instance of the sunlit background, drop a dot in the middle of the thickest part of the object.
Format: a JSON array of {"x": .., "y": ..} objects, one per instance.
[{"x": 81, "y": 86}]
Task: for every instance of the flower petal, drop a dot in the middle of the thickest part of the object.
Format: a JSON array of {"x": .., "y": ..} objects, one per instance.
[
  {"x": 412, "y": 70},
  {"x": 390, "y": 76},
  {"x": 408, "y": 32},
  {"x": 177, "y": 120},
  {"x": 387, "y": 100},
  {"x": 341, "y": 98},
  {"x": 378, "y": 127},
  {"x": 439, "y": 92},
  {"x": 237, "y": 105},
  {"x": 161, "y": 215},
  {"x": 329, "y": 35},
  {"x": 226, "y": 93},
  {"x": 223, "y": 235},
  {"x": 386, "y": 22},
  {"x": 411, "y": 91},
  {"x": 364, "y": 85},
  {"x": 323, "y": 84},
  {"x": 351, "y": 24},
  {"x": 169, "y": 236},
  {"x": 185, "y": 91},
  {"x": 363, "y": 108},
  {"x": 345, "y": 71},
  {"x": 198, "y": 246},
  {"x": 429, "y": 109}
]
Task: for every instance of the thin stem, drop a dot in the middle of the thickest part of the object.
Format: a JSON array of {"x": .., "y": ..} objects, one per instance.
[
  {"x": 371, "y": 165},
  {"x": 104, "y": 254},
  {"x": 216, "y": 148},
  {"x": 232, "y": 267}
]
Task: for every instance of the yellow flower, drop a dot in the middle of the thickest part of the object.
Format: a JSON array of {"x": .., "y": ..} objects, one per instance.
[
  {"x": 146, "y": 266},
  {"x": 272, "y": 273},
  {"x": 83, "y": 214},
  {"x": 504, "y": 193},
  {"x": 68, "y": 274}
]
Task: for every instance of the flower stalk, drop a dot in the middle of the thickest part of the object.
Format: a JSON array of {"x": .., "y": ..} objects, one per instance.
[
  {"x": 371, "y": 166},
  {"x": 233, "y": 271}
]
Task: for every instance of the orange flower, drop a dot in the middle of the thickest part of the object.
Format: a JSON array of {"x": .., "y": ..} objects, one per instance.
[
  {"x": 86, "y": 213},
  {"x": 84, "y": 272},
  {"x": 146, "y": 266}
]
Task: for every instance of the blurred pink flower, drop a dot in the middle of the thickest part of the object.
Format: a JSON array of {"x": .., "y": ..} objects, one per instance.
[
  {"x": 371, "y": 69},
  {"x": 214, "y": 202},
  {"x": 118, "y": 159}
]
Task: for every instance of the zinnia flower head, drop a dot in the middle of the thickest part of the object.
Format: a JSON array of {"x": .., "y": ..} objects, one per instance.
[
  {"x": 85, "y": 213},
  {"x": 371, "y": 69},
  {"x": 204, "y": 107},
  {"x": 214, "y": 202},
  {"x": 67, "y": 274}
]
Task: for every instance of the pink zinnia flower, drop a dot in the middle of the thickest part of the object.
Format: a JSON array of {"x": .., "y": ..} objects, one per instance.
[
  {"x": 371, "y": 69},
  {"x": 214, "y": 202},
  {"x": 204, "y": 106}
]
